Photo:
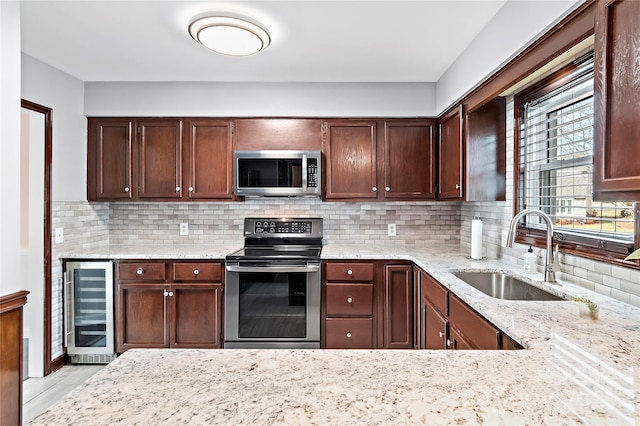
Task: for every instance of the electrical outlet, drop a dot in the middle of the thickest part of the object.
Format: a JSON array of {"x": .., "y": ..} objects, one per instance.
[
  {"x": 184, "y": 229},
  {"x": 59, "y": 235},
  {"x": 391, "y": 229},
  {"x": 505, "y": 235}
]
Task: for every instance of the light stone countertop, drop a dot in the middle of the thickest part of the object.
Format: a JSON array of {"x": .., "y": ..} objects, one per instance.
[{"x": 574, "y": 370}]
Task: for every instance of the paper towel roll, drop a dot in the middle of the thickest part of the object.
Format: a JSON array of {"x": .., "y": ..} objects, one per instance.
[{"x": 476, "y": 238}]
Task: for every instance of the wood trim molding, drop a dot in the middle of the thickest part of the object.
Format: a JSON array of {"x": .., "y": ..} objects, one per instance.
[
  {"x": 573, "y": 29},
  {"x": 13, "y": 301}
]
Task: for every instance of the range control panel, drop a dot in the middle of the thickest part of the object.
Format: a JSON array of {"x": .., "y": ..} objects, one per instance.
[{"x": 265, "y": 226}]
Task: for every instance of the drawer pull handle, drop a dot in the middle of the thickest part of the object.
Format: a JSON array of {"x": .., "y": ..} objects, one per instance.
[
  {"x": 349, "y": 334},
  {"x": 349, "y": 272},
  {"x": 196, "y": 272},
  {"x": 140, "y": 271},
  {"x": 349, "y": 300}
]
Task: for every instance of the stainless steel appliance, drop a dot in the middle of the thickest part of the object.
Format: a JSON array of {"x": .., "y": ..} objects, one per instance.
[
  {"x": 272, "y": 297},
  {"x": 89, "y": 323},
  {"x": 285, "y": 173}
]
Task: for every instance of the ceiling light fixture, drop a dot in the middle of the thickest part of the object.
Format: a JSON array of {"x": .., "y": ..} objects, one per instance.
[{"x": 231, "y": 36}]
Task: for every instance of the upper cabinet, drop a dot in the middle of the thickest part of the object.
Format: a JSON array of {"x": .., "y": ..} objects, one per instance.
[
  {"x": 409, "y": 160},
  {"x": 472, "y": 153},
  {"x": 379, "y": 160},
  {"x": 160, "y": 159},
  {"x": 209, "y": 159},
  {"x": 148, "y": 159},
  {"x": 451, "y": 150},
  {"x": 110, "y": 160},
  {"x": 351, "y": 166},
  {"x": 486, "y": 163},
  {"x": 617, "y": 101}
]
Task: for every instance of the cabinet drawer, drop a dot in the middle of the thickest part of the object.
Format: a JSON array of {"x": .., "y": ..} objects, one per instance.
[
  {"x": 349, "y": 333},
  {"x": 480, "y": 332},
  {"x": 435, "y": 293},
  {"x": 349, "y": 271},
  {"x": 349, "y": 299},
  {"x": 197, "y": 272},
  {"x": 142, "y": 271}
]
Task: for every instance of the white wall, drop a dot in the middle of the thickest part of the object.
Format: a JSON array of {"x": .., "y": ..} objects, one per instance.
[
  {"x": 516, "y": 25},
  {"x": 63, "y": 93},
  {"x": 9, "y": 146},
  {"x": 260, "y": 99}
]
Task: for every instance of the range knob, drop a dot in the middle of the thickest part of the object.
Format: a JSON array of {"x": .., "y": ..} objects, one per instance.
[{"x": 272, "y": 230}]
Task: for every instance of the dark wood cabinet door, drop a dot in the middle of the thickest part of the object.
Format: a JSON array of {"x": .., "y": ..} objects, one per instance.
[
  {"x": 458, "y": 341},
  {"x": 141, "y": 315},
  {"x": 451, "y": 148},
  {"x": 480, "y": 333},
  {"x": 485, "y": 160},
  {"x": 350, "y": 149},
  {"x": 160, "y": 159},
  {"x": 210, "y": 159},
  {"x": 196, "y": 318},
  {"x": 109, "y": 160},
  {"x": 409, "y": 160},
  {"x": 617, "y": 101},
  {"x": 397, "y": 315},
  {"x": 434, "y": 327}
]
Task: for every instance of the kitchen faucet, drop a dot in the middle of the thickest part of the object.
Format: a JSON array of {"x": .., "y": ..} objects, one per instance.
[{"x": 549, "y": 269}]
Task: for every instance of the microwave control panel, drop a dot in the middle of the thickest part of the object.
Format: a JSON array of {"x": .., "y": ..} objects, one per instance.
[{"x": 312, "y": 173}]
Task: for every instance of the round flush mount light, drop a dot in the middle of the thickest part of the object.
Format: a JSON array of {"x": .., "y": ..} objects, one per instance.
[{"x": 229, "y": 35}]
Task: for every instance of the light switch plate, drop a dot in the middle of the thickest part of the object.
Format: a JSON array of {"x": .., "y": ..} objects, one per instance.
[
  {"x": 184, "y": 229},
  {"x": 391, "y": 229}
]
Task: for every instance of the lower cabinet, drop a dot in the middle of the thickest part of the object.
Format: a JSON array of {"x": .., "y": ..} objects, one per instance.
[
  {"x": 168, "y": 304},
  {"x": 446, "y": 322},
  {"x": 368, "y": 304}
]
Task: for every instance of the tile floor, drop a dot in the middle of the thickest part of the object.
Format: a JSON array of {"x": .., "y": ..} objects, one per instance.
[{"x": 40, "y": 393}]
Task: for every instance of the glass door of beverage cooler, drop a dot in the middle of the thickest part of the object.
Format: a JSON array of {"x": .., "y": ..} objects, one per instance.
[{"x": 89, "y": 305}]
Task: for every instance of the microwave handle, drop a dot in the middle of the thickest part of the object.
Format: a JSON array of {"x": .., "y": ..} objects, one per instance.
[{"x": 304, "y": 171}]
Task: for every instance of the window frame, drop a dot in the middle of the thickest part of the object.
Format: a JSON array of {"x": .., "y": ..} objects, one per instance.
[{"x": 604, "y": 249}]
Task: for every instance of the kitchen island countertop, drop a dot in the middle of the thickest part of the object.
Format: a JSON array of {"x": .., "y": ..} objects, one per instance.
[{"x": 574, "y": 369}]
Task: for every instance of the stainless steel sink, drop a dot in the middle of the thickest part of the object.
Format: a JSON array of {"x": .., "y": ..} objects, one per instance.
[{"x": 502, "y": 286}]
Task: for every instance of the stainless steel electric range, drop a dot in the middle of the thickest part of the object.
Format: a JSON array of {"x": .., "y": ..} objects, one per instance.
[{"x": 272, "y": 296}]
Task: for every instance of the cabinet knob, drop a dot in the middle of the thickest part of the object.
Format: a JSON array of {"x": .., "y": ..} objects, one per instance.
[
  {"x": 374, "y": 189},
  {"x": 177, "y": 189},
  {"x": 196, "y": 272},
  {"x": 126, "y": 189},
  {"x": 448, "y": 343},
  {"x": 170, "y": 293},
  {"x": 349, "y": 272},
  {"x": 441, "y": 334},
  {"x": 140, "y": 271},
  {"x": 166, "y": 293},
  {"x": 349, "y": 300},
  {"x": 387, "y": 189},
  {"x": 457, "y": 186},
  {"x": 349, "y": 334},
  {"x": 191, "y": 189}
]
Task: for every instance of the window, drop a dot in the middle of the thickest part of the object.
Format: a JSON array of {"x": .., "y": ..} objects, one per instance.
[{"x": 555, "y": 156}]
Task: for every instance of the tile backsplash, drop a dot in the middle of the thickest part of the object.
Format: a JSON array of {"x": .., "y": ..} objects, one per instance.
[{"x": 416, "y": 222}]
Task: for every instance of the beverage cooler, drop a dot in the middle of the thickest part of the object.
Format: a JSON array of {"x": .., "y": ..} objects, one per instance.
[{"x": 89, "y": 326}]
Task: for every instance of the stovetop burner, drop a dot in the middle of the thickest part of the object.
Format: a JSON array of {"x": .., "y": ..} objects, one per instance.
[{"x": 274, "y": 239}]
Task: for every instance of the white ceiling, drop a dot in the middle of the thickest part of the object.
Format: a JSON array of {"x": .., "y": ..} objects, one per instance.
[{"x": 312, "y": 41}]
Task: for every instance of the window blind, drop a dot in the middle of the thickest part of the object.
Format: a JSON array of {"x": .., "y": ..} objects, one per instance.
[{"x": 556, "y": 163}]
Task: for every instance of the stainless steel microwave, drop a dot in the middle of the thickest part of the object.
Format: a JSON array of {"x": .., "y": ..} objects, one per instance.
[{"x": 287, "y": 173}]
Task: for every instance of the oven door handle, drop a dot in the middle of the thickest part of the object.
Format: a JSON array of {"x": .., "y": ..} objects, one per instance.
[{"x": 266, "y": 268}]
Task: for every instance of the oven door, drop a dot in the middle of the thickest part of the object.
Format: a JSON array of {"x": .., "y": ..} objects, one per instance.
[{"x": 269, "y": 306}]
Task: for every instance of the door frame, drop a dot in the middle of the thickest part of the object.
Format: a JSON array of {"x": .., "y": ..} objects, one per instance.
[{"x": 48, "y": 150}]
